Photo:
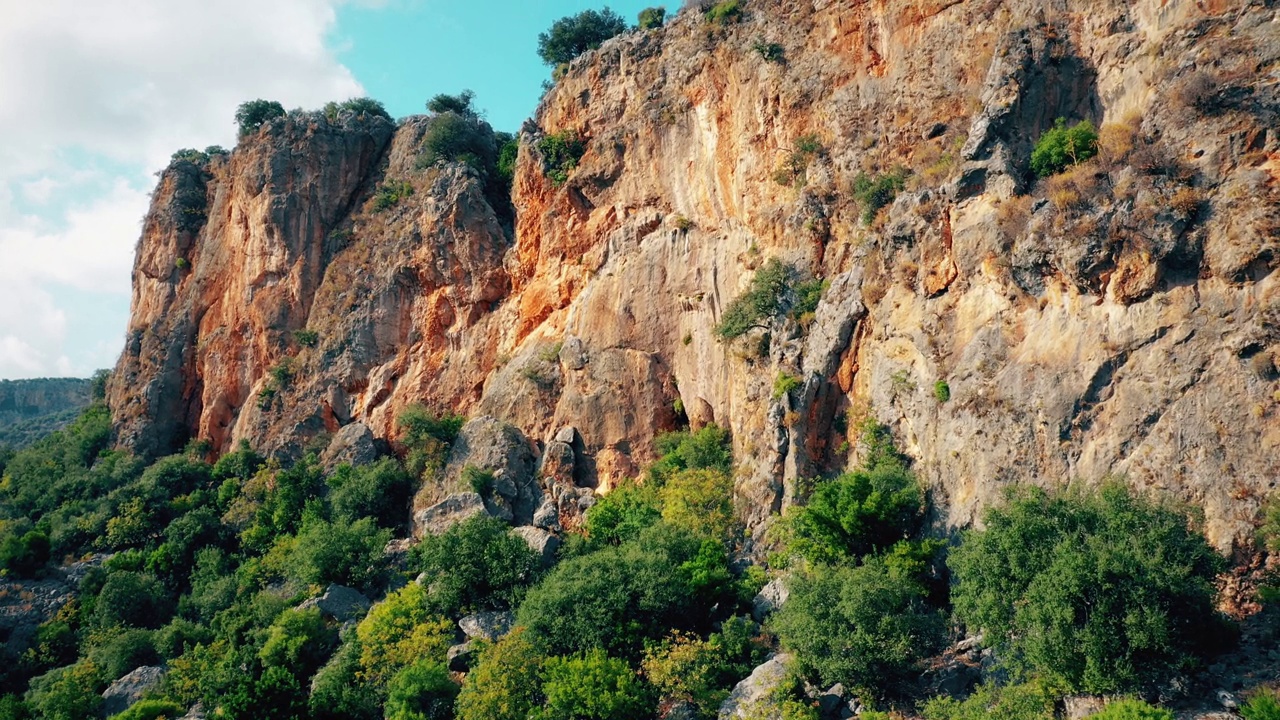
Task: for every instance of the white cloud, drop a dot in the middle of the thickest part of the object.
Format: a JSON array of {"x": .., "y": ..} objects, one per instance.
[{"x": 94, "y": 96}]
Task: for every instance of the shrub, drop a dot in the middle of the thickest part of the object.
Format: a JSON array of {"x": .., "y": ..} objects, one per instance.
[
  {"x": 131, "y": 599},
  {"x": 478, "y": 564},
  {"x": 190, "y": 155},
  {"x": 122, "y": 652},
  {"x": 725, "y": 12},
  {"x": 506, "y": 683},
  {"x": 784, "y": 384},
  {"x": 864, "y": 626},
  {"x": 152, "y": 710},
  {"x": 622, "y": 514},
  {"x": 875, "y": 192},
  {"x": 763, "y": 300},
  {"x": 297, "y": 640},
  {"x": 362, "y": 106},
  {"x": 24, "y": 555},
  {"x": 807, "y": 147},
  {"x": 1102, "y": 592},
  {"x": 306, "y": 338},
  {"x": 1026, "y": 701},
  {"x": 508, "y": 154},
  {"x": 769, "y": 52},
  {"x": 427, "y": 436},
  {"x": 342, "y": 552},
  {"x": 702, "y": 501},
  {"x": 459, "y": 104},
  {"x": 560, "y": 155},
  {"x": 685, "y": 668},
  {"x": 571, "y": 36},
  {"x": 459, "y": 137},
  {"x": 708, "y": 448},
  {"x": 591, "y": 686},
  {"x": 1061, "y": 147},
  {"x": 652, "y": 18},
  {"x": 942, "y": 391},
  {"x": 1263, "y": 704},
  {"x": 380, "y": 491},
  {"x": 253, "y": 114},
  {"x": 398, "y": 632},
  {"x": 422, "y": 691},
  {"x": 69, "y": 693},
  {"x": 390, "y": 194},
  {"x": 1132, "y": 710},
  {"x": 336, "y": 694},
  {"x": 856, "y": 514}
]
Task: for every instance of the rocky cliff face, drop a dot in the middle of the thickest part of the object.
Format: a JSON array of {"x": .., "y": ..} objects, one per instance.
[
  {"x": 31, "y": 409},
  {"x": 1119, "y": 319}
]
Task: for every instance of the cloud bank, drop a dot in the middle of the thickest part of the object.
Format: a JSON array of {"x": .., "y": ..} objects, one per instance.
[{"x": 94, "y": 97}]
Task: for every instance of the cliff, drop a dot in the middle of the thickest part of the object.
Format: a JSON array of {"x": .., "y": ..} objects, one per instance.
[
  {"x": 31, "y": 409},
  {"x": 1119, "y": 319}
]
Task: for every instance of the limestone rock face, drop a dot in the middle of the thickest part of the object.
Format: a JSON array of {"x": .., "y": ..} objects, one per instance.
[
  {"x": 1115, "y": 320},
  {"x": 754, "y": 696},
  {"x": 128, "y": 690}
]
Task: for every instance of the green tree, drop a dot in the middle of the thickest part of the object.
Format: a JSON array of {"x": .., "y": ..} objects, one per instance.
[
  {"x": 69, "y": 693},
  {"x": 708, "y": 448},
  {"x": 1103, "y": 592},
  {"x": 765, "y": 298},
  {"x": 421, "y": 691},
  {"x": 571, "y": 36},
  {"x": 591, "y": 686},
  {"x": 622, "y": 514},
  {"x": 337, "y": 694},
  {"x": 506, "y": 683},
  {"x": 346, "y": 553},
  {"x": 1061, "y": 147},
  {"x": 989, "y": 701},
  {"x": 399, "y": 631},
  {"x": 380, "y": 491},
  {"x": 866, "y": 627},
  {"x": 152, "y": 710},
  {"x": 24, "y": 555},
  {"x": 858, "y": 513},
  {"x": 132, "y": 599},
  {"x": 1131, "y": 709},
  {"x": 251, "y": 115},
  {"x": 478, "y": 564},
  {"x": 702, "y": 501},
  {"x": 459, "y": 104},
  {"x": 652, "y": 18},
  {"x": 362, "y": 106},
  {"x": 298, "y": 640}
]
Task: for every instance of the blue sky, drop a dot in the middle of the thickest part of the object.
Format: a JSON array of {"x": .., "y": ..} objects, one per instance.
[{"x": 94, "y": 97}]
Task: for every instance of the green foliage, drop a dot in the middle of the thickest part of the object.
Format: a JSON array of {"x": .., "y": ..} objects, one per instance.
[
  {"x": 591, "y": 686},
  {"x": 725, "y": 12},
  {"x": 152, "y": 710},
  {"x": 297, "y": 640},
  {"x": 784, "y": 384},
  {"x": 807, "y": 147},
  {"x": 622, "y": 514},
  {"x": 1131, "y": 709},
  {"x": 253, "y": 114},
  {"x": 652, "y": 18},
  {"x": 122, "y": 652},
  {"x": 864, "y": 626},
  {"x": 763, "y": 300},
  {"x": 69, "y": 693},
  {"x": 1103, "y": 592},
  {"x": 769, "y": 52},
  {"x": 422, "y": 691},
  {"x": 380, "y": 491},
  {"x": 856, "y": 514},
  {"x": 361, "y": 107},
  {"x": 560, "y": 154},
  {"x": 398, "y": 632},
  {"x": 390, "y": 193},
  {"x": 421, "y": 426},
  {"x": 700, "y": 500},
  {"x": 942, "y": 391},
  {"x": 506, "y": 683},
  {"x": 1263, "y": 704},
  {"x": 23, "y": 555},
  {"x": 306, "y": 338},
  {"x": 508, "y": 154},
  {"x": 336, "y": 693},
  {"x": 618, "y": 597},
  {"x": 476, "y": 565},
  {"x": 133, "y": 600},
  {"x": 459, "y": 104},
  {"x": 686, "y": 668},
  {"x": 1061, "y": 147},
  {"x": 342, "y": 552},
  {"x": 480, "y": 481},
  {"x": 874, "y": 192},
  {"x": 571, "y": 36},
  {"x": 12, "y": 708},
  {"x": 1026, "y": 701},
  {"x": 708, "y": 448},
  {"x": 459, "y": 137},
  {"x": 190, "y": 155}
]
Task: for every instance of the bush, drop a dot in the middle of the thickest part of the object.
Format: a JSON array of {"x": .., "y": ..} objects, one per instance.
[
  {"x": 306, "y": 338},
  {"x": 874, "y": 192},
  {"x": 866, "y": 627},
  {"x": 685, "y": 668},
  {"x": 422, "y": 691},
  {"x": 253, "y": 114},
  {"x": 591, "y": 686},
  {"x": 652, "y": 18},
  {"x": 763, "y": 300},
  {"x": 24, "y": 555},
  {"x": 1061, "y": 147},
  {"x": 725, "y": 12},
  {"x": 1132, "y": 710},
  {"x": 476, "y": 565},
  {"x": 342, "y": 552},
  {"x": 362, "y": 106},
  {"x": 298, "y": 641},
  {"x": 336, "y": 694},
  {"x": 152, "y": 710},
  {"x": 941, "y": 391},
  {"x": 459, "y": 104},
  {"x": 784, "y": 384},
  {"x": 459, "y": 137},
  {"x": 700, "y": 500},
  {"x": 380, "y": 491},
  {"x": 133, "y": 600},
  {"x": 856, "y": 514},
  {"x": 560, "y": 155},
  {"x": 1263, "y": 704},
  {"x": 1026, "y": 701},
  {"x": 69, "y": 693},
  {"x": 506, "y": 683},
  {"x": 1103, "y": 592},
  {"x": 708, "y": 448},
  {"x": 622, "y": 514},
  {"x": 571, "y": 36},
  {"x": 123, "y": 652},
  {"x": 508, "y": 154},
  {"x": 792, "y": 170},
  {"x": 398, "y": 632},
  {"x": 769, "y": 52},
  {"x": 390, "y": 194}
]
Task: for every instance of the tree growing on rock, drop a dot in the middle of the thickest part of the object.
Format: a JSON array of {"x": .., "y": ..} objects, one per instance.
[{"x": 571, "y": 36}]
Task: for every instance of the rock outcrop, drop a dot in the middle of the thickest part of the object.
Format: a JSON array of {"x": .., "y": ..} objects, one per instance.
[{"x": 1115, "y": 320}]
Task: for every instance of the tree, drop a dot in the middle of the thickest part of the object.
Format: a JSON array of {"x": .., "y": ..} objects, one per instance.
[
  {"x": 989, "y": 701},
  {"x": 478, "y": 564},
  {"x": 591, "y": 686},
  {"x": 347, "y": 553},
  {"x": 866, "y": 626},
  {"x": 362, "y": 106},
  {"x": 764, "y": 299},
  {"x": 571, "y": 36},
  {"x": 421, "y": 691},
  {"x": 858, "y": 513},
  {"x": 652, "y": 18},
  {"x": 251, "y": 115},
  {"x": 132, "y": 599},
  {"x": 459, "y": 104},
  {"x": 1103, "y": 592},
  {"x": 1061, "y": 147},
  {"x": 399, "y": 631},
  {"x": 380, "y": 491},
  {"x": 506, "y": 683},
  {"x": 702, "y": 501},
  {"x": 69, "y": 693},
  {"x": 336, "y": 694}
]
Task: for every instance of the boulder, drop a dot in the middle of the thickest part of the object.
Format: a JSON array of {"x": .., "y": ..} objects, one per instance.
[
  {"x": 547, "y": 516},
  {"x": 354, "y": 444},
  {"x": 771, "y": 597},
  {"x": 126, "y": 691},
  {"x": 454, "y": 509},
  {"x": 195, "y": 713},
  {"x": 460, "y": 657},
  {"x": 754, "y": 696},
  {"x": 1079, "y": 707},
  {"x": 541, "y": 542},
  {"x": 557, "y": 463},
  {"x": 486, "y": 625},
  {"x": 339, "y": 603},
  {"x": 488, "y": 444}
]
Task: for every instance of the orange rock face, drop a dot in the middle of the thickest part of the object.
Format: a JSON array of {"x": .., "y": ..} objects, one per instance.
[{"x": 1102, "y": 322}]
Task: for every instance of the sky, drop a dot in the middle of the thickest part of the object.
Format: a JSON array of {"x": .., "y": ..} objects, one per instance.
[{"x": 96, "y": 95}]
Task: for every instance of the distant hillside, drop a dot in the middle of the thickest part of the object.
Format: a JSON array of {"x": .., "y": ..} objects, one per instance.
[{"x": 31, "y": 409}]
